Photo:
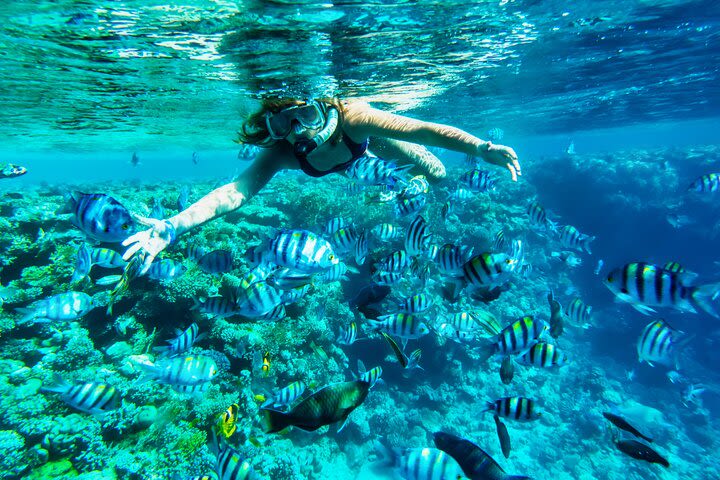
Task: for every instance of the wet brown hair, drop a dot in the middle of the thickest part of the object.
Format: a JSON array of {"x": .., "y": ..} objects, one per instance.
[{"x": 254, "y": 130}]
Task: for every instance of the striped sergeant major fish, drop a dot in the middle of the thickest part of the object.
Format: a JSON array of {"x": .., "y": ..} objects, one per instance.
[
  {"x": 300, "y": 250},
  {"x": 361, "y": 248},
  {"x": 256, "y": 300},
  {"x": 489, "y": 269},
  {"x": 230, "y": 465},
  {"x": 336, "y": 273},
  {"x": 192, "y": 390},
  {"x": 286, "y": 396},
  {"x": 348, "y": 335},
  {"x": 408, "y": 206},
  {"x": 570, "y": 237},
  {"x": 475, "y": 462},
  {"x": 386, "y": 278},
  {"x": 418, "y": 237},
  {"x": 372, "y": 170},
  {"x": 182, "y": 370},
  {"x": 183, "y": 341},
  {"x": 106, "y": 258},
  {"x": 217, "y": 261},
  {"x": 220, "y": 307},
  {"x": 499, "y": 242},
  {"x": 396, "y": 262},
  {"x": 344, "y": 238},
  {"x": 660, "y": 343},
  {"x": 166, "y": 269},
  {"x": 421, "y": 463},
  {"x": 451, "y": 258},
  {"x": 101, "y": 217},
  {"x": 517, "y": 408},
  {"x": 92, "y": 397},
  {"x": 403, "y": 325},
  {"x": 644, "y": 285},
  {"x": 335, "y": 224},
  {"x": 371, "y": 376},
  {"x": 416, "y": 303},
  {"x": 67, "y": 307},
  {"x": 538, "y": 217},
  {"x": 461, "y": 195},
  {"x": 283, "y": 278},
  {"x": 386, "y": 232},
  {"x": 292, "y": 295},
  {"x": 706, "y": 183},
  {"x": 477, "y": 180},
  {"x": 195, "y": 252},
  {"x": 518, "y": 337},
  {"x": 544, "y": 355},
  {"x": 578, "y": 312},
  {"x": 277, "y": 313},
  {"x": 447, "y": 211}
]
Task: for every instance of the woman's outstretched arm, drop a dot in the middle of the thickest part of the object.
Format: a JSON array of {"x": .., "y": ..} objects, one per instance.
[
  {"x": 220, "y": 201},
  {"x": 365, "y": 121}
]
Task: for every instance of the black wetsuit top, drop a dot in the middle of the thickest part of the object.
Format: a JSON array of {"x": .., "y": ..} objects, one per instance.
[{"x": 356, "y": 149}]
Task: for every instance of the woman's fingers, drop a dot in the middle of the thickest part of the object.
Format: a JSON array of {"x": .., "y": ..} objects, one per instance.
[
  {"x": 146, "y": 263},
  {"x": 516, "y": 165},
  {"x": 513, "y": 173},
  {"x": 136, "y": 237},
  {"x": 130, "y": 252}
]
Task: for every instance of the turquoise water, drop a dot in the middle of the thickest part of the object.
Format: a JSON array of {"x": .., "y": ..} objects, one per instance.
[{"x": 633, "y": 86}]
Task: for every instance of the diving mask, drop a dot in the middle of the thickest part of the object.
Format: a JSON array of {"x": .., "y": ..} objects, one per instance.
[{"x": 309, "y": 116}]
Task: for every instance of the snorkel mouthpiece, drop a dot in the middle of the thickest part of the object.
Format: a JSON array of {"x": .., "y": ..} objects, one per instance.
[{"x": 306, "y": 146}]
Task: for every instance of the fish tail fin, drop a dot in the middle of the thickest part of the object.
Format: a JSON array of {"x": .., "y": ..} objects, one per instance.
[
  {"x": 274, "y": 421},
  {"x": 388, "y": 456},
  {"x": 586, "y": 244},
  {"x": 28, "y": 314},
  {"x": 703, "y": 295},
  {"x": 57, "y": 384},
  {"x": 680, "y": 345}
]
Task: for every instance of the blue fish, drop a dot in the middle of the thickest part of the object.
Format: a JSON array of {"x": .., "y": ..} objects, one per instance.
[
  {"x": 217, "y": 261},
  {"x": 166, "y": 269},
  {"x": 158, "y": 211},
  {"x": 101, "y": 217},
  {"x": 82, "y": 265},
  {"x": 183, "y": 197},
  {"x": 67, "y": 306}
]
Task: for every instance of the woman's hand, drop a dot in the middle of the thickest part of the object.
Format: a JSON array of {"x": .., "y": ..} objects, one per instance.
[
  {"x": 149, "y": 242},
  {"x": 502, "y": 156}
]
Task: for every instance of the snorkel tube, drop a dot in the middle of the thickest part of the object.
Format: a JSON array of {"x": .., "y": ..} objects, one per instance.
[{"x": 305, "y": 146}]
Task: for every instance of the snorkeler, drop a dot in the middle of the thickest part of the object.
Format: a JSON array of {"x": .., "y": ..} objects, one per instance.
[
  {"x": 319, "y": 137},
  {"x": 11, "y": 171}
]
